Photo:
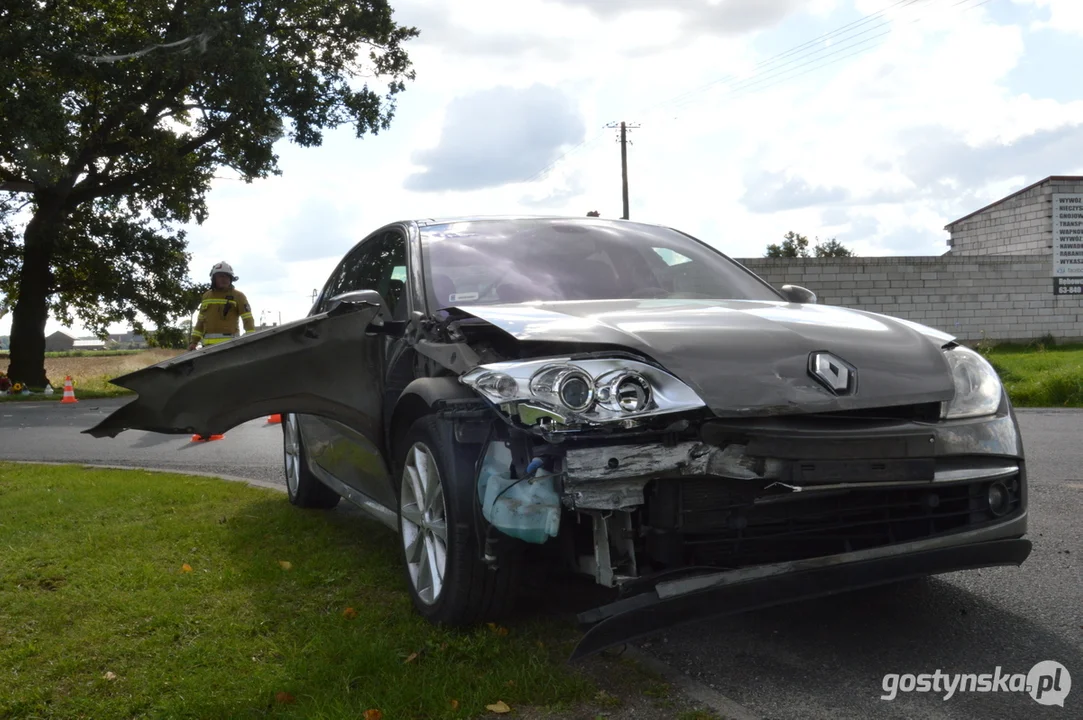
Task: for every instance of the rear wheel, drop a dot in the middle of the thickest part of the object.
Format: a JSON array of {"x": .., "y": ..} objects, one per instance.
[
  {"x": 448, "y": 582},
  {"x": 304, "y": 489}
]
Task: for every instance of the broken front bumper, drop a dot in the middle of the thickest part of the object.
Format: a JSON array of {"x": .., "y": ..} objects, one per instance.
[
  {"x": 678, "y": 602},
  {"x": 918, "y": 510}
]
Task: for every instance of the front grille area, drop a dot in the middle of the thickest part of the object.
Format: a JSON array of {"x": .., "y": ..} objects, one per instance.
[
  {"x": 922, "y": 412},
  {"x": 713, "y": 521}
]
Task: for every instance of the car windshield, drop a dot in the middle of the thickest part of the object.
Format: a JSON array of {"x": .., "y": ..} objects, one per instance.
[{"x": 507, "y": 261}]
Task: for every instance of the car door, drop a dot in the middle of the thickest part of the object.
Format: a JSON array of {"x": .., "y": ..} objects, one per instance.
[
  {"x": 353, "y": 455},
  {"x": 320, "y": 439},
  {"x": 298, "y": 367}
]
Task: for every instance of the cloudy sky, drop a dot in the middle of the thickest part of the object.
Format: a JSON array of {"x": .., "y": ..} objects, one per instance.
[{"x": 873, "y": 121}]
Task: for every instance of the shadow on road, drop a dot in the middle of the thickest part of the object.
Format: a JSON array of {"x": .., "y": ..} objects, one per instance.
[
  {"x": 914, "y": 627},
  {"x": 149, "y": 440}
]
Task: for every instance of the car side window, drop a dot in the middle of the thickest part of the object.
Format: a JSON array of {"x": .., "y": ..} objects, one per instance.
[
  {"x": 336, "y": 284},
  {"x": 382, "y": 267}
]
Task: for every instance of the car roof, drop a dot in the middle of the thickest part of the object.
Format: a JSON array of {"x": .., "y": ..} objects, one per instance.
[{"x": 426, "y": 222}]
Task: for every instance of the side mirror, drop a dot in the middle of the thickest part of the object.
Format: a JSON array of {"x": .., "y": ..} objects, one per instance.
[
  {"x": 358, "y": 297},
  {"x": 798, "y": 294},
  {"x": 382, "y": 324}
]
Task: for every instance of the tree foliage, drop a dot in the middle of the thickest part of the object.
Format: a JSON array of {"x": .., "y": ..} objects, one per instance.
[
  {"x": 168, "y": 337},
  {"x": 115, "y": 115},
  {"x": 794, "y": 245},
  {"x": 831, "y": 248}
]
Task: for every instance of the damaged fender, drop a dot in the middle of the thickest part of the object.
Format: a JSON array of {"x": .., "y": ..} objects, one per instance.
[{"x": 293, "y": 368}]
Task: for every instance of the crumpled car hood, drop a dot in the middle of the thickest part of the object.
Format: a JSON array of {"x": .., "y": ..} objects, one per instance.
[{"x": 750, "y": 357}]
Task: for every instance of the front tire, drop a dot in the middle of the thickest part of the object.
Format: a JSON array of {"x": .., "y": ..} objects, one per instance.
[
  {"x": 303, "y": 488},
  {"x": 448, "y": 582}
]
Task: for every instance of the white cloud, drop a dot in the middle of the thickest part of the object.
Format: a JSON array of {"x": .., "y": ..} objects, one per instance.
[
  {"x": 1064, "y": 15},
  {"x": 497, "y": 136},
  {"x": 879, "y": 138}
]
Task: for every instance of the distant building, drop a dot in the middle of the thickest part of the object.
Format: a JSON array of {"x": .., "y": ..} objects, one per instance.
[
  {"x": 128, "y": 341},
  {"x": 88, "y": 344},
  {"x": 1018, "y": 224},
  {"x": 59, "y": 341}
]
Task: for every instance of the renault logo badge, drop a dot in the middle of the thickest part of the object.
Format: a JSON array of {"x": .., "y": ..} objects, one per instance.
[{"x": 834, "y": 373}]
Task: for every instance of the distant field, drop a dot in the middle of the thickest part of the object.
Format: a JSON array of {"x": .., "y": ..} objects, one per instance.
[
  {"x": 91, "y": 370},
  {"x": 82, "y": 353}
]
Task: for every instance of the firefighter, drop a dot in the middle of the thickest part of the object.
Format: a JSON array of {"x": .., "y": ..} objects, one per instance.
[{"x": 223, "y": 310}]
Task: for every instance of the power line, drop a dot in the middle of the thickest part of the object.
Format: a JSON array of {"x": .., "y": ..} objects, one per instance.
[
  {"x": 752, "y": 82},
  {"x": 769, "y": 73},
  {"x": 857, "y": 23},
  {"x": 852, "y": 25},
  {"x": 759, "y": 78},
  {"x": 584, "y": 143}
]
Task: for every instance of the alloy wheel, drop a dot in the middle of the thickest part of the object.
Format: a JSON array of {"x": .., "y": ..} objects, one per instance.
[
  {"x": 292, "y": 450},
  {"x": 424, "y": 523}
]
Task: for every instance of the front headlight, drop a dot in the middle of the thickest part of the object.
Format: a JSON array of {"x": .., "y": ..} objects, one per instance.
[
  {"x": 583, "y": 391},
  {"x": 977, "y": 385}
]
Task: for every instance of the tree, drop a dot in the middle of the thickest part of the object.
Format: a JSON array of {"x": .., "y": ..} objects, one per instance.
[
  {"x": 832, "y": 248},
  {"x": 176, "y": 334},
  {"x": 115, "y": 116},
  {"x": 168, "y": 337},
  {"x": 794, "y": 245}
]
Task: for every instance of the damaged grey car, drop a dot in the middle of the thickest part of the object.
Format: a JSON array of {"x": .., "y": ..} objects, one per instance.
[{"x": 620, "y": 400}]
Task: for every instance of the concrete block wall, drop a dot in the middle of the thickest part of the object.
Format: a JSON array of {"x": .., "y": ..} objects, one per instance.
[
  {"x": 999, "y": 298},
  {"x": 1021, "y": 224}
]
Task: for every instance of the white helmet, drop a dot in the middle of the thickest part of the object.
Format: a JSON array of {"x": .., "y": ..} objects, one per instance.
[{"x": 223, "y": 267}]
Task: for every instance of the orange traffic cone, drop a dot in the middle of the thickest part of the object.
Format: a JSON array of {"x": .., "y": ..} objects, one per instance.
[
  {"x": 206, "y": 438},
  {"x": 69, "y": 391},
  {"x": 274, "y": 419}
]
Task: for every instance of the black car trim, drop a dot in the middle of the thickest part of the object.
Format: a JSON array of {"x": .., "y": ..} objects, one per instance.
[{"x": 641, "y": 615}]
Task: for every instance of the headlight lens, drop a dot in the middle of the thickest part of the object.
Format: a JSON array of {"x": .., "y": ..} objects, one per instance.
[
  {"x": 625, "y": 391},
  {"x": 977, "y": 385},
  {"x": 576, "y": 390},
  {"x": 498, "y": 385},
  {"x": 585, "y": 391},
  {"x": 633, "y": 393}
]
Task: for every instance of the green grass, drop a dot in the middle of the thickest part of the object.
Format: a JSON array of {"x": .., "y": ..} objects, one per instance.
[
  {"x": 1040, "y": 374},
  {"x": 89, "y": 389},
  {"x": 99, "y": 617}
]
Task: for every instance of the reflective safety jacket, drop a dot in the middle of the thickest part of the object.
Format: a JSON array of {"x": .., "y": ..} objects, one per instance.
[{"x": 221, "y": 314}]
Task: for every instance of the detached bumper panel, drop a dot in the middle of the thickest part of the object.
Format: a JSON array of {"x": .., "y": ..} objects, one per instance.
[{"x": 645, "y": 614}]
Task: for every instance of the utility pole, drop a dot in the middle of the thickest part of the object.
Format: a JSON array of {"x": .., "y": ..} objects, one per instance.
[{"x": 624, "y": 128}]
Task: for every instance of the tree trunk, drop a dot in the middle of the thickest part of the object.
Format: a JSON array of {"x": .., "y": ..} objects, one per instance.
[{"x": 31, "y": 310}]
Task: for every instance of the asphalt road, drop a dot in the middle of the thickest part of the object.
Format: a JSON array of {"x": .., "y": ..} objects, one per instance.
[
  {"x": 51, "y": 432},
  {"x": 824, "y": 659}
]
